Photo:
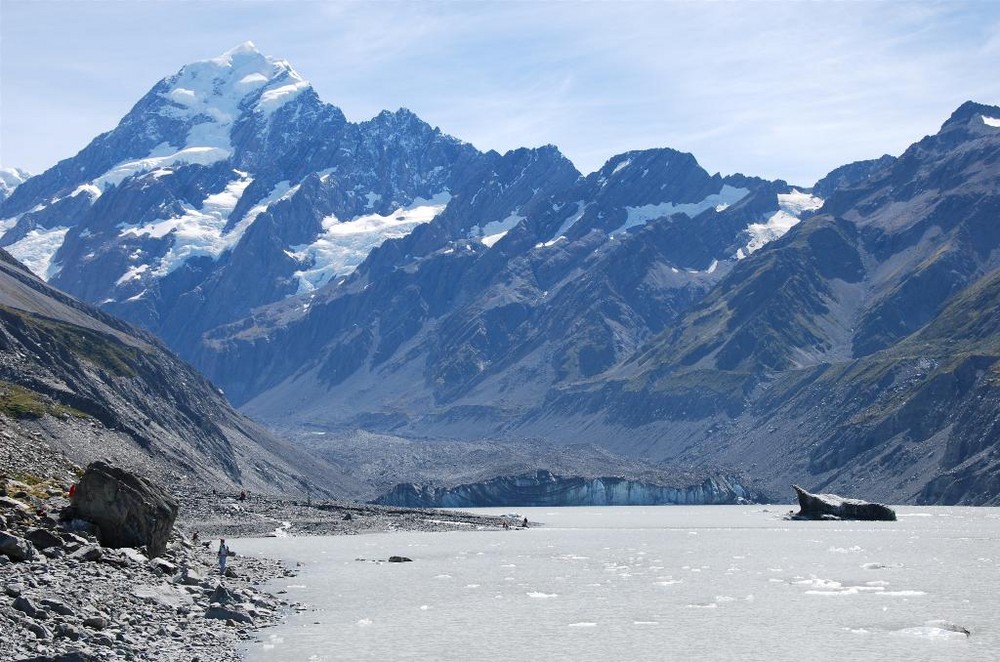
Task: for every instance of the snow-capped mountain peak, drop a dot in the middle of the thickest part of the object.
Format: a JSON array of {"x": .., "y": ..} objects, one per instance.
[
  {"x": 218, "y": 87},
  {"x": 208, "y": 98},
  {"x": 211, "y": 95}
]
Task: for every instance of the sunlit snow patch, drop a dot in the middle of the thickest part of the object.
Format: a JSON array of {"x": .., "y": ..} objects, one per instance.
[
  {"x": 641, "y": 215},
  {"x": 494, "y": 231},
  {"x": 197, "y": 231},
  {"x": 37, "y": 248},
  {"x": 791, "y": 206},
  {"x": 991, "y": 121},
  {"x": 343, "y": 246},
  {"x": 275, "y": 98},
  {"x": 162, "y": 157}
]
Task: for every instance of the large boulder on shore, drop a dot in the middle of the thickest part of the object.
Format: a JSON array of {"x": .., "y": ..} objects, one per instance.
[
  {"x": 831, "y": 506},
  {"x": 15, "y": 548},
  {"x": 129, "y": 510}
]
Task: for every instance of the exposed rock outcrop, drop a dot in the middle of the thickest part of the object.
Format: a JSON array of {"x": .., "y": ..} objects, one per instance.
[
  {"x": 129, "y": 510},
  {"x": 831, "y": 506}
]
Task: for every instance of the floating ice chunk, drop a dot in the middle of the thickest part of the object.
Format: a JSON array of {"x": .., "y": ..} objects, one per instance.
[
  {"x": 540, "y": 595},
  {"x": 936, "y": 630},
  {"x": 365, "y": 622},
  {"x": 845, "y": 550},
  {"x": 583, "y": 625},
  {"x": 880, "y": 566}
]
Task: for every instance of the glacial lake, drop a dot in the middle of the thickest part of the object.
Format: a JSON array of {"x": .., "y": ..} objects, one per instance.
[{"x": 648, "y": 583}]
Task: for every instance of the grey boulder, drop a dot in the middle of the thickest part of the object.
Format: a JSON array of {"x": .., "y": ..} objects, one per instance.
[
  {"x": 129, "y": 510},
  {"x": 15, "y": 548}
]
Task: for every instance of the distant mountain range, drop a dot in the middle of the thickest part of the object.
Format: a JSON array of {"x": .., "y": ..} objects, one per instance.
[{"x": 382, "y": 276}]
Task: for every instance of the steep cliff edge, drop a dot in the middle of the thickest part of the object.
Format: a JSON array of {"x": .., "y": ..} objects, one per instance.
[{"x": 543, "y": 488}]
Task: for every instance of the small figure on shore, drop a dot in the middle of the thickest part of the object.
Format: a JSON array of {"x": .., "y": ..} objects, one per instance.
[
  {"x": 243, "y": 495},
  {"x": 194, "y": 537},
  {"x": 525, "y": 523},
  {"x": 505, "y": 524},
  {"x": 223, "y": 555},
  {"x": 72, "y": 490}
]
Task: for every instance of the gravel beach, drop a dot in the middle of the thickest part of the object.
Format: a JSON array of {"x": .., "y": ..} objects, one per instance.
[{"x": 66, "y": 597}]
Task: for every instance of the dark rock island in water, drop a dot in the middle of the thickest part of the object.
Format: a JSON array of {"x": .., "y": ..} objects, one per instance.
[{"x": 831, "y": 506}]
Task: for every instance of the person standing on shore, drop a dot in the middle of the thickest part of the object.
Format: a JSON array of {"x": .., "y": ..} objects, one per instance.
[{"x": 223, "y": 554}]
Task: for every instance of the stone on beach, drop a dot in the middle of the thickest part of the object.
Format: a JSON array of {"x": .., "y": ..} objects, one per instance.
[
  {"x": 15, "y": 548},
  {"x": 129, "y": 510}
]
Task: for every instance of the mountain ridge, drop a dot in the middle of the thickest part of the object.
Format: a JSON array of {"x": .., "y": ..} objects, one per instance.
[{"x": 382, "y": 275}]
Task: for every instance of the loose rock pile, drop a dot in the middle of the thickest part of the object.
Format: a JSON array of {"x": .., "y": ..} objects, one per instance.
[
  {"x": 62, "y": 592},
  {"x": 70, "y": 590}
]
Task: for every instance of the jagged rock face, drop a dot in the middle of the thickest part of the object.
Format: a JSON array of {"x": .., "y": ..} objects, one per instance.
[
  {"x": 545, "y": 489},
  {"x": 231, "y": 186},
  {"x": 91, "y": 386},
  {"x": 850, "y": 175},
  {"x": 564, "y": 279},
  {"x": 858, "y": 338},
  {"x": 130, "y": 511},
  {"x": 228, "y": 186}
]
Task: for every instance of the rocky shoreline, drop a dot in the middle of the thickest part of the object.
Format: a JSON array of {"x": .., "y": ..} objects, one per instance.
[{"x": 67, "y": 597}]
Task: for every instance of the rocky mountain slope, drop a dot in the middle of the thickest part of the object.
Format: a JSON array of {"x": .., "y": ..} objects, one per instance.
[
  {"x": 231, "y": 186},
  {"x": 333, "y": 276},
  {"x": 77, "y": 384},
  {"x": 858, "y": 351}
]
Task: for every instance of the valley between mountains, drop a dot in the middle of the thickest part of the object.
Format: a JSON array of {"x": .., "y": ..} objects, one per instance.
[{"x": 384, "y": 303}]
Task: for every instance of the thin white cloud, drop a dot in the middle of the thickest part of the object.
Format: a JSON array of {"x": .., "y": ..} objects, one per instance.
[{"x": 777, "y": 89}]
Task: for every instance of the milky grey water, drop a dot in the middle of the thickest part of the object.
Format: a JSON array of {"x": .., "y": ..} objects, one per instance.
[{"x": 649, "y": 583}]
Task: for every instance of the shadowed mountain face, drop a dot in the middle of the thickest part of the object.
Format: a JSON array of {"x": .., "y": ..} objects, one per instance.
[
  {"x": 386, "y": 277},
  {"x": 858, "y": 350},
  {"x": 81, "y": 382}
]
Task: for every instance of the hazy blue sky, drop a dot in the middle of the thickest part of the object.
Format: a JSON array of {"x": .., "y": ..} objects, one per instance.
[{"x": 776, "y": 89}]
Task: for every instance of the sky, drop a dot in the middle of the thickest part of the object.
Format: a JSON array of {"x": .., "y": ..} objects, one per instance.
[{"x": 775, "y": 89}]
